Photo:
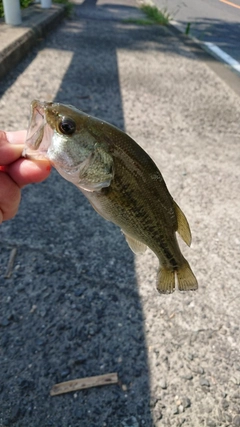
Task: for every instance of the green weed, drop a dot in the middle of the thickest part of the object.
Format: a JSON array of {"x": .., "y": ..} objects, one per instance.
[
  {"x": 26, "y": 3},
  {"x": 157, "y": 16},
  {"x": 68, "y": 6},
  {"x": 187, "y": 31}
]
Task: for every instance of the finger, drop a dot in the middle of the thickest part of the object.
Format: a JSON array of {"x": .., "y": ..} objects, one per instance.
[
  {"x": 18, "y": 137},
  {"x": 10, "y": 196},
  {"x": 9, "y": 152},
  {"x": 25, "y": 171}
]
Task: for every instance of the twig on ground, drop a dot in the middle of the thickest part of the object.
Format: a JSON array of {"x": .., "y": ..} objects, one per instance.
[
  {"x": 81, "y": 383},
  {"x": 10, "y": 265}
]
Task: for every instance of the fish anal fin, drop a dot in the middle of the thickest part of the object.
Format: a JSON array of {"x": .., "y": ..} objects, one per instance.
[
  {"x": 135, "y": 245},
  {"x": 165, "y": 281},
  {"x": 183, "y": 226},
  {"x": 186, "y": 279}
]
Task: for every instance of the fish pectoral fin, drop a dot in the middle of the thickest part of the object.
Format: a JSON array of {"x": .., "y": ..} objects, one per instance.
[
  {"x": 96, "y": 171},
  {"x": 135, "y": 245},
  {"x": 183, "y": 226}
]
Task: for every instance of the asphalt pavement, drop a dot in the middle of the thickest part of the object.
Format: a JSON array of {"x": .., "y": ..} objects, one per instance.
[
  {"x": 78, "y": 302},
  {"x": 211, "y": 21}
]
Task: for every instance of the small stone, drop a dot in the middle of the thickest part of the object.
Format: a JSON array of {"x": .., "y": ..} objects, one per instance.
[
  {"x": 198, "y": 370},
  {"x": 190, "y": 356},
  {"x": 65, "y": 372},
  {"x": 236, "y": 380},
  {"x": 130, "y": 422},
  {"x": 43, "y": 312},
  {"x": 25, "y": 384},
  {"x": 163, "y": 384},
  {"x": 236, "y": 421},
  {"x": 225, "y": 404},
  {"x": 175, "y": 410},
  {"x": 204, "y": 382},
  {"x": 186, "y": 402},
  {"x": 188, "y": 376},
  {"x": 157, "y": 414},
  {"x": 180, "y": 409},
  {"x": 78, "y": 292},
  {"x": 227, "y": 417},
  {"x": 4, "y": 322},
  {"x": 80, "y": 359},
  {"x": 211, "y": 423},
  {"x": 236, "y": 409},
  {"x": 236, "y": 395}
]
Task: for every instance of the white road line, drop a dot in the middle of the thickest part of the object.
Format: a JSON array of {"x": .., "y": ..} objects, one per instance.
[
  {"x": 223, "y": 55},
  {"x": 219, "y": 53}
]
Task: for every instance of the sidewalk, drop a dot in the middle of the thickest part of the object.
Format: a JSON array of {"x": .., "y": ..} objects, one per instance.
[
  {"x": 79, "y": 303},
  {"x": 16, "y": 42}
]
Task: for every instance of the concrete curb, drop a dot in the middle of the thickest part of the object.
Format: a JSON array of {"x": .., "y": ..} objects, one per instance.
[{"x": 15, "y": 42}]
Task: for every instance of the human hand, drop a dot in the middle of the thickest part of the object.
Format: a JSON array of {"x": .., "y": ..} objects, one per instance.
[{"x": 16, "y": 172}]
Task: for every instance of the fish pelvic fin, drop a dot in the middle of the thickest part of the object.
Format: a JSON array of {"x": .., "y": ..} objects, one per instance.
[
  {"x": 183, "y": 226},
  {"x": 186, "y": 279},
  {"x": 165, "y": 280},
  {"x": 135, "y": 245}
]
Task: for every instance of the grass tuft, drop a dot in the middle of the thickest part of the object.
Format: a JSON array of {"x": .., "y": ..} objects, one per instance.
[
  {"x": 68, "y": 6},
  {"x": 26, "y": 3},
  {"x": 156, "y": 16}
]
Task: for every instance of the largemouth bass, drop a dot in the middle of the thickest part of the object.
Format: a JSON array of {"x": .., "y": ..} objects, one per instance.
[{"x": 119, "y": 179}]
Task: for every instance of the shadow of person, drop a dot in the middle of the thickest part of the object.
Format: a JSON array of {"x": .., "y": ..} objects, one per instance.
[{"x": 75, "y": 290}]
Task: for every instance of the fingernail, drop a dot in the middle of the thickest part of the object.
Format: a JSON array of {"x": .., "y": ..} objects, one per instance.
[
  {"x": 10, "y": 137},
  {"x": 16, "y": 136}
]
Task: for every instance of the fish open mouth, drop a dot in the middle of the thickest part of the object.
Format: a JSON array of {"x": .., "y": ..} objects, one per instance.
[{"x": 39, "y": 134}]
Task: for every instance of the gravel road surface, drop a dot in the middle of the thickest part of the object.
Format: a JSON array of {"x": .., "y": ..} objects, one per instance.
[{"x": 78, "y": 302}]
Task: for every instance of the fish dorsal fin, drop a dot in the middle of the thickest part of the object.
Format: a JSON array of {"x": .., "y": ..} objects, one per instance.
[
  {"x": 183, "y": 226},
  {"x": 134, "y": 244}
]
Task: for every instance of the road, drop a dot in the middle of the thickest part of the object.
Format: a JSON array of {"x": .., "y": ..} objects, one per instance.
[
  {"x": 216, "y": 21},
  {"x": 78, "y": 302}
]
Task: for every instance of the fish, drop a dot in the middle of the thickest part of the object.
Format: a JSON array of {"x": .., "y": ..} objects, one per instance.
[{"x": 120, "y": 180}]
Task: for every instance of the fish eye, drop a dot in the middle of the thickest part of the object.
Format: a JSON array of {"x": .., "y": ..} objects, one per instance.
[{"x": 67, "y": 126}]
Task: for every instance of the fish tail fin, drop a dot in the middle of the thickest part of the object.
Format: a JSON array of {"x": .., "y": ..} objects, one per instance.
[
  {"x": 166, "y": 280},
  {"x": 185, "y": 277}
]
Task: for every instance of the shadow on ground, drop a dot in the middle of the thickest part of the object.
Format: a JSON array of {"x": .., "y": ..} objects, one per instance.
[
  {"x": 138, "y": 36},
  {"x": 225, "y": 34},
  {"x": 71, "y": 307}
]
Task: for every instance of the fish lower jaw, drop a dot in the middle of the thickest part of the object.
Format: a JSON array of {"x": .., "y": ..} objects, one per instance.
[{"x": 34, "y": 155}]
